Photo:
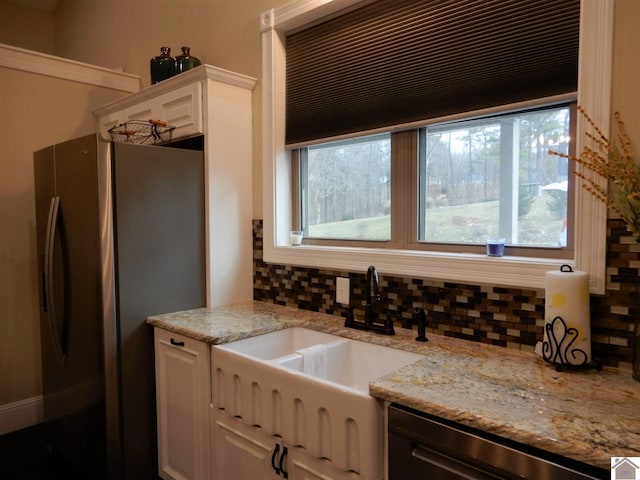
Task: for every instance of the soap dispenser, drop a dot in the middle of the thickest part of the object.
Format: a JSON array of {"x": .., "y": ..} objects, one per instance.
[{"x": 421, "y": 319}]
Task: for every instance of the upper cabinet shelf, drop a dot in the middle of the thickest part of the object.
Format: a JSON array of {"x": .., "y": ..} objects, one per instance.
[
  {"x": 177, "y": 101},
  {"x": 181, "y": 108}
]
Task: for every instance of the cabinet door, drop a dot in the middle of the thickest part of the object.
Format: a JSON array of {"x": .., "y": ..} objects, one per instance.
[
  {"x": 242, "y": 452},
  {"x": 183, "y": 403},
  {"x": 302, "y": 466},
  {"x": 181, "y": 108}
]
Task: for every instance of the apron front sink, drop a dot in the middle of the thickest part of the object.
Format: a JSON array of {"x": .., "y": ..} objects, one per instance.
[{"x": 325, "y": 409}]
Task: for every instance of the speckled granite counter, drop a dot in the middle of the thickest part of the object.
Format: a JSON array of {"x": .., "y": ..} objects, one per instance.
[{"x": 589, "y": 416}]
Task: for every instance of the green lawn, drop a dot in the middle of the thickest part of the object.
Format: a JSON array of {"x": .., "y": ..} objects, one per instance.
[{"x": 471, "y": 223}]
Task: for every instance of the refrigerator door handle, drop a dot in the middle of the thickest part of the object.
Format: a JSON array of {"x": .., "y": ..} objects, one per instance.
[{"x": 50, "y": 307}]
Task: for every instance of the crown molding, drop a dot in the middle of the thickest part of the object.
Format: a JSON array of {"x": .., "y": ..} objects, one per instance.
[
  {"x": 58, "y": 67},
  {"x": 202, "y": 72}
]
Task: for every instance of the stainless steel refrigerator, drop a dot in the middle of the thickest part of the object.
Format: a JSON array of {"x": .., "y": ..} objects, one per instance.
[{"x": 120, "y": 236}]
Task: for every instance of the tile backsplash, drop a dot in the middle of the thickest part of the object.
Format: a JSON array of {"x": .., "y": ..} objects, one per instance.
[{"x": 508, "y": 317}]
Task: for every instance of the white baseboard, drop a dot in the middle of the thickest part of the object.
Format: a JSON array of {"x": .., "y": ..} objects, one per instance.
[{"x": 21, "y": 414}]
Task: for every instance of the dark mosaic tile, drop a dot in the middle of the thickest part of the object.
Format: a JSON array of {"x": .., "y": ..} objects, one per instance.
[{"x": 490, "y": 312}]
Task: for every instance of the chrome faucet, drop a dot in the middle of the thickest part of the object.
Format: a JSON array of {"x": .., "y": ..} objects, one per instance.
[{"x": 371, "y": 323}]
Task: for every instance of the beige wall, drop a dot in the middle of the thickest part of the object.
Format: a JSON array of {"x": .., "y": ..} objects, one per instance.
[
  {"x": 225, "y": 33},
  {"x": 26, "y": 27},
  {"x": 124, "y": 33},
  {"x": 36, "y": 111},
  {"x": 625, "y": 94}
]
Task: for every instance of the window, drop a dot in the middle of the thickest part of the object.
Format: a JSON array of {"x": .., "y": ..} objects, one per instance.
[
  {"x": 477, "y": 179},
  {"x": 431, "y": 60},
  {"x": 494, "y": 178},
  {"x": 346, "y": 189},
  {"x": 596, "y": 22}
]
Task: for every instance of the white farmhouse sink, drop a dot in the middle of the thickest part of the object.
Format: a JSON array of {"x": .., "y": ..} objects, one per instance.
[
  {"x": 280, "y": 343},
  {"x": 330, "y": 413},
  {"x": 352, "y": 363}
]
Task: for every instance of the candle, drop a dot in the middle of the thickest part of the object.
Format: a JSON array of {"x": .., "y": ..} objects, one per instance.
[
  {"x": 495, "y": 247},
  {"x": 295, "y": 237}
]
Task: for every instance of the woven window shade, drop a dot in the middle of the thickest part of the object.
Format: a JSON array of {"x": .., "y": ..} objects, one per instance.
[{"x": 397, "y": 61}]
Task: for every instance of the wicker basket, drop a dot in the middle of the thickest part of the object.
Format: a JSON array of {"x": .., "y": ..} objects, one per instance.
[{"x": 142, "y": 132}]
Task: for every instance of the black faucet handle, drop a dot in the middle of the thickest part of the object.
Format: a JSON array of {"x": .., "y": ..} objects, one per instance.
[
  {"x": 350, "y": 315},
  {"x": 421, "y": 318}
]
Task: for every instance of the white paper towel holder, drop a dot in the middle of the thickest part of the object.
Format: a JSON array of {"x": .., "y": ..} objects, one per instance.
[{"x": 559, "y": 352}]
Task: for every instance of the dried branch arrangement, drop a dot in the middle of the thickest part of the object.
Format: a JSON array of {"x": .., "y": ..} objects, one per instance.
[{"x": 613, "y": 161}]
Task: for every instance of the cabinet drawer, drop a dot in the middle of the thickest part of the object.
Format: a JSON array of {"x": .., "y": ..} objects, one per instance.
[{"x": 198, "y": 348}]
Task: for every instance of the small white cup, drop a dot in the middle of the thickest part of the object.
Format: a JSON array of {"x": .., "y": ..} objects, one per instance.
[{"x": 295, "y": 237}]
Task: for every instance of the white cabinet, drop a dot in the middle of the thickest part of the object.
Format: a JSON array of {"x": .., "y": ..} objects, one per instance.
[
  {"x": 302, "y": 466},
  {"x": 216, "y": 103},
  {"x": 181, "y": 108},
  {"x": 241, "y": 451},
  {"x": 183, "y": 392},
  {"x": 246, "y": 452}
]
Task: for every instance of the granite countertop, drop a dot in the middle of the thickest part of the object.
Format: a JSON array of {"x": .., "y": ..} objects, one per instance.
[{"x": 588, "y": 415}]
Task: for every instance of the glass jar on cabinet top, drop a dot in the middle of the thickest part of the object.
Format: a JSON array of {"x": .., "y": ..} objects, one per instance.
[
  {"x": 163, "y": 66},
  {"x": 186, "y": 61}
]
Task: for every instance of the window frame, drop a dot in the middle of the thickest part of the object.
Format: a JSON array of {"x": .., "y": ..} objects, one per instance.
[
  {"x": 566, "y": 252},
  {"x": 596, "y": 38},
  {"x": 297, "y": 156},
  {"x": 405, "y": 165}
]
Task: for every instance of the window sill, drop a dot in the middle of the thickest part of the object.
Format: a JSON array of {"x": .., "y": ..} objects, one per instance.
[{"x": 508, "y": 271}]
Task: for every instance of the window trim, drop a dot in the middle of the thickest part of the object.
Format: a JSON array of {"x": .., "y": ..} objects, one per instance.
[{"x": 596, "y": 38}]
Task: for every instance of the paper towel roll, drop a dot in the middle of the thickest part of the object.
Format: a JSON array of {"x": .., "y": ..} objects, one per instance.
[{"x": 567, "y": 325}]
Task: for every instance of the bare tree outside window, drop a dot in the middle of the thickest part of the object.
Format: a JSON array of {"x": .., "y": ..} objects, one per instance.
[
  {"x": 495, "y": 178},
  {"x": 346, "y": 192}
]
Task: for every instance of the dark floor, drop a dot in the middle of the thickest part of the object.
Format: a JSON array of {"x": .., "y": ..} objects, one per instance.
[{"x": 24, "y": 455}]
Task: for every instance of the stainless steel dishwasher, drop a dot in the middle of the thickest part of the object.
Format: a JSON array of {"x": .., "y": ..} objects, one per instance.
[{"x": 423, "y": 447}]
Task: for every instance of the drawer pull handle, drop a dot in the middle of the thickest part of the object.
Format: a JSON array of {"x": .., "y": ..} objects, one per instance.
[
  {"x": 440, "y": 463},
  {"x": 176, "y": 343},
  {"x": 281, "y": 466},
  {"x": 274, "y": 458}
]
